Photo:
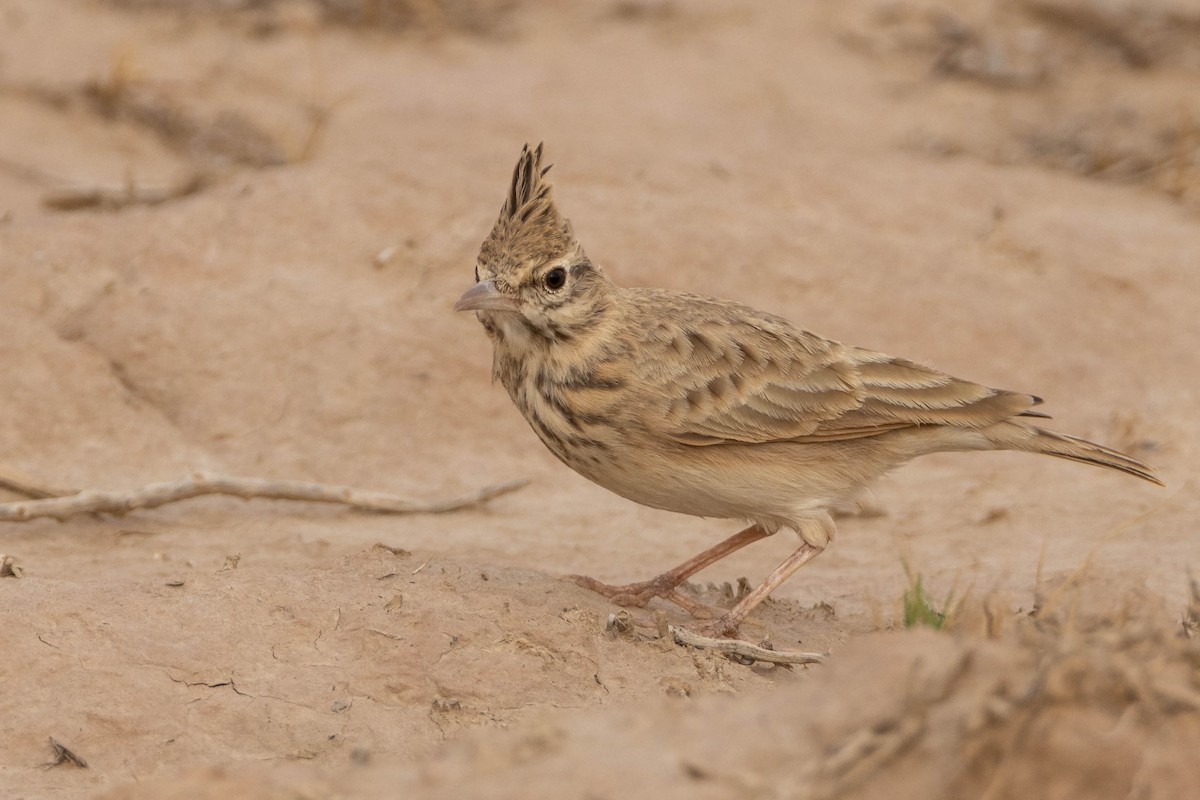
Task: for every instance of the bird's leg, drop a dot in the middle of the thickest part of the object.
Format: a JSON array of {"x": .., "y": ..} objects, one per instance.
[
  {"x": 664, "y": 586},
  {"x": 816, "y": 531},
  {"x": 727, "y": 624}
]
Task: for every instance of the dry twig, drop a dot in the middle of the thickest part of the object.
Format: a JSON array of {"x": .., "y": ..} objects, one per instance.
[
  {"x": 736, "y": 647},
  {"x": 159, "y": 494},
  {"x": 112, "y": 198},
  {"x": 22, "y": 484}
]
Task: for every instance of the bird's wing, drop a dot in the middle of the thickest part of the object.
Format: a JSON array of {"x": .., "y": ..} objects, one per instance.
[{"x": 748, "y": 377}]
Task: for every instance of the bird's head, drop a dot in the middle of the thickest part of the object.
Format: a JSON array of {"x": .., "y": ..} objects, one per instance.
[{"x": 532, "y": 275}]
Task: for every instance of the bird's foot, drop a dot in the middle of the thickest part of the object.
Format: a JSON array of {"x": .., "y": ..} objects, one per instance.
[
  {"x": 723, "y": 627},
  {"x": 639, "y": 594},
  {"x": 630, "y": 594}
]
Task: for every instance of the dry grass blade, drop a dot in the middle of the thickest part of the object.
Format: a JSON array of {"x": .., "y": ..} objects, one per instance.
[
  {"x": 1191, "y": 616},
  {"x": 64, "y": 755},
  {"x": 159, "y": 494},
  {"x": 866, "y": 752},
  {"x": 736, "y": 647}
]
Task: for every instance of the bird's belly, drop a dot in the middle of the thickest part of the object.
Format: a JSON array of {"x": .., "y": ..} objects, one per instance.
[{"x": 708, "y": 484}]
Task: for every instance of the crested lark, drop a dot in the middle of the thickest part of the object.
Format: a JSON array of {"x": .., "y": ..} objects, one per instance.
[{"x": 710, "y": 408}]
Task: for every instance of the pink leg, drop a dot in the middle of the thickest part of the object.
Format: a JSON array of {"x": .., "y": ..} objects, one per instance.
[
  {"x": 638, "y": 594},
  {"x": 728, "y": 624}
]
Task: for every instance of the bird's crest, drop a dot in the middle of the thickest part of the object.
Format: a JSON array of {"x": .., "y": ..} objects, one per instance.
[{"x": 529, "y": 229}]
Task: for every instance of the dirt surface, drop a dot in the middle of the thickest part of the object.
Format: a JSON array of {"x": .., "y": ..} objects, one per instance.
[{"x": 230, "y": 237}]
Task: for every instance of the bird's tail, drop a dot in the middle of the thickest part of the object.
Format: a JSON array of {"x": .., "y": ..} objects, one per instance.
[{"x": 1040, "y": 440}]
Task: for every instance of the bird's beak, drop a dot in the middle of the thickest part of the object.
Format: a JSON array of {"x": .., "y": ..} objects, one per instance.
[{"x": 484, "y": 296}]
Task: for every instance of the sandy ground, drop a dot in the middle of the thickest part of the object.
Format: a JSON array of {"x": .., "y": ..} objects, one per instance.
[{"x": 1008, "y": 190}]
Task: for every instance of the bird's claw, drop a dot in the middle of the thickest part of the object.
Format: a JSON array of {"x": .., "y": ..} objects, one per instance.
[{"x": 637, "y": 595}]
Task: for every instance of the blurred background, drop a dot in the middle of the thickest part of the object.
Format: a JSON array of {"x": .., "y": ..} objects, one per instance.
[
  {"x": 231, "y": 233},
  {"x": 237, "y": 224}
]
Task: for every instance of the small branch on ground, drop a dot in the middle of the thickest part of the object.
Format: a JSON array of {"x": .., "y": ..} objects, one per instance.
[
  {"x": 20, "y": 483},
  {"x": 736, "y": 647},
  {"x": 112, "y": 198},
  {"x": 159, "y": 494}
]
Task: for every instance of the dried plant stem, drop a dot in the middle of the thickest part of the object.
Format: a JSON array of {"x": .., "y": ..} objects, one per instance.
[
  {"x": 159, "y": 494},
  {"x": 736, "y": 647},
  {"x": 22, "y": 484},
  {"x": 112, "y": 198}
]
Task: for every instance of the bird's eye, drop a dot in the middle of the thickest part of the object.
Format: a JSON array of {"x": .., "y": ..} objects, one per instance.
[
  {"x": 555, "y": 279},
  {"x": 477, "y": 273}
]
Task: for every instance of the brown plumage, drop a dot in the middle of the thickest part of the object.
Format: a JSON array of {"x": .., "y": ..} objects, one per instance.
[{"x": 709, "y": 407}]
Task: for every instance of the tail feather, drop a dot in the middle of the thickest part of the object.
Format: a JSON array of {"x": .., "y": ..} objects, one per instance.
[{"x": 1083, "y": 451}]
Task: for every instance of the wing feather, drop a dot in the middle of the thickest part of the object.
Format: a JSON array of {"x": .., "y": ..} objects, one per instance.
[{"x": 737, "y": 375}]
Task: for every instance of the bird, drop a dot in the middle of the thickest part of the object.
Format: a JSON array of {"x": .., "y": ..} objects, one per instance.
[{"x": 712, "y": 408}]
